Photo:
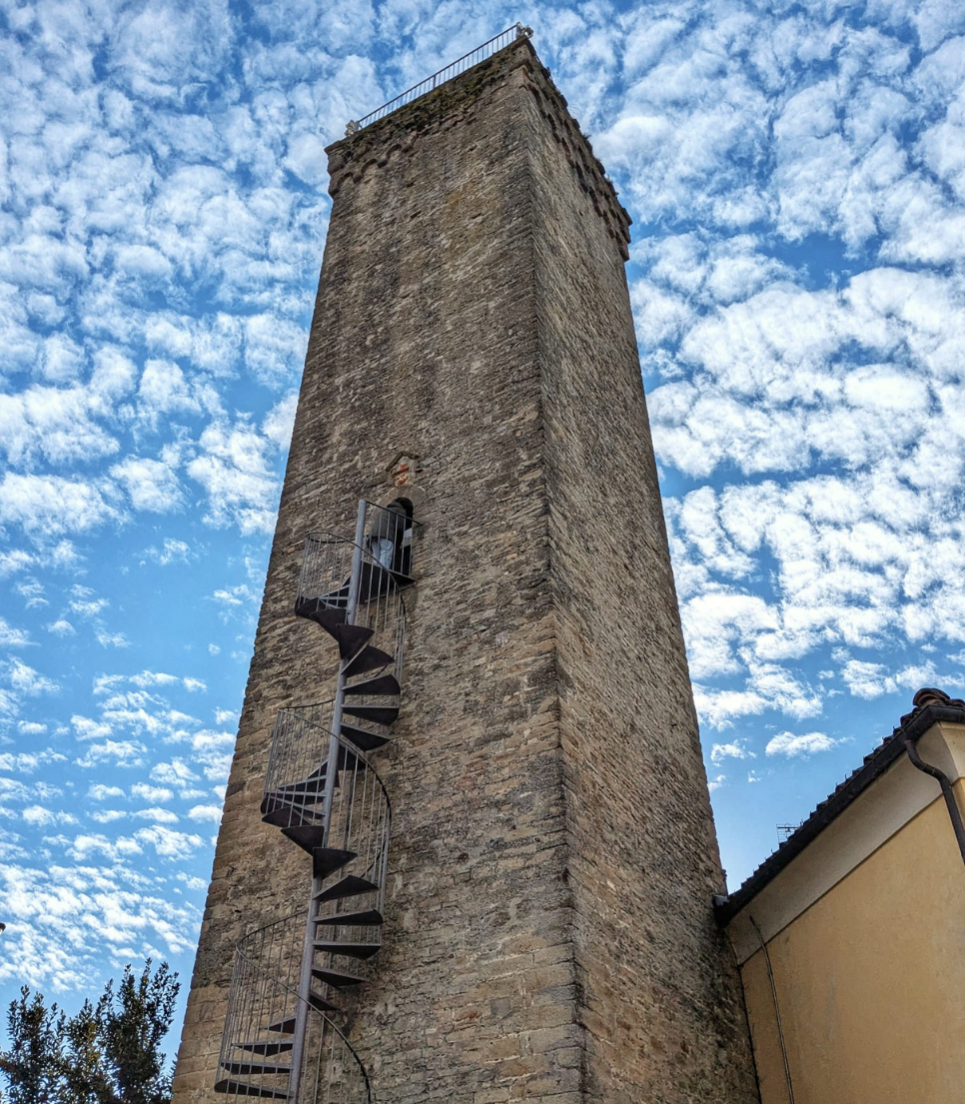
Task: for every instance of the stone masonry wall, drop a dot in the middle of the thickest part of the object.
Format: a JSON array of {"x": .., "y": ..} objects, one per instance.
[
  {"x": 437, "y": 334},
  {"x": 658, "y": 990}
]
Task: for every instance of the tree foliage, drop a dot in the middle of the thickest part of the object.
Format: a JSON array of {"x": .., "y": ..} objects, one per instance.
[{"x": 108, "y": 1053}]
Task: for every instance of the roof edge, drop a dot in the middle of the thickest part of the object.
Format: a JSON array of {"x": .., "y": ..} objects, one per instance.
[{"x": 931, "y": 707}]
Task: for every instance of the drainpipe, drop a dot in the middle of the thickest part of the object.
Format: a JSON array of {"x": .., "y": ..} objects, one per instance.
[
  {"x": 936, "y": 697},
  {"x": 777, "y": 1011}
]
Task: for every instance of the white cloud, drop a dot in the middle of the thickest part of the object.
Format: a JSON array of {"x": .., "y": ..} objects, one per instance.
[
  {"x": 164, "y": 389},
  {"x": 151, "y": 793},
  {"x": 85, "y": 845},
  {"x": 151, "y": 484},
  {"x": 871, "y": 680},
  {"x": 114, "y": 374},
  {"x": 122, "y": 753},
  {"x": 737, "y": 749},
  {"x": 84, "y": 603},
  {"x": 26, "y": 680},
  {"x": 108, "y": 816},
  {"x": 206, "y": 812},
  {"x": 88, "y": 729},
  {"x": 158, "y": 815},
  {"x": 54, "y": 424},
  {"x": 32, "y": 591},
  {"x": 768, "y": 686},
  {"x": 168, "y": 843},
  {"x": 48, "y": 505},
  {"x": 31, "y": 728},
  {"x": 14, "y": 561},
  {"x": 101, "y": 792},
  {"x": 803, "y": 746},
  {"x": 171, "y": 551},
  {"x": 37, "y": 815},
  {"x": 233, "y": 470},
  {"x": 153, "y": 678},
  {"x": 28, "y": 762},
  {"x": 280, "y": 421},
  {"x": 11, "y": 637}
]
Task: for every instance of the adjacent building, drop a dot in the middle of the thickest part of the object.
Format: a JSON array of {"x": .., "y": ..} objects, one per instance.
[{"x": 851, "y": 936}]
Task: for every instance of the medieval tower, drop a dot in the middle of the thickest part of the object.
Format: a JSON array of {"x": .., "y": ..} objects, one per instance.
[{"x": 467, "y": 852}]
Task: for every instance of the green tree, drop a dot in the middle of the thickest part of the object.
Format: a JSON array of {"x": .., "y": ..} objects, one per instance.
[
  {"x": 108, "y": 1053},
  {"x": 83, "y": 1074},
  {"x": 132, "y": 1024},
  {"x": 32, "y": 1065}
]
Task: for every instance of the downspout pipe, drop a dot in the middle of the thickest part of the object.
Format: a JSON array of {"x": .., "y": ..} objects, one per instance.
[
  {"x": 777, "y": 1011},
  {"x": 923, "y": 698}
]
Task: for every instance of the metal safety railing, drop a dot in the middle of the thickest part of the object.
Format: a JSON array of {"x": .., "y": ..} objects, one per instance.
[
  {"x": 257, "y": 1049},
  {"x": 297, "y": 766},
  {"x": 460, "y": 65},
  {"x": 325, "y": 582},
  {"x": 358, "y": 820}
]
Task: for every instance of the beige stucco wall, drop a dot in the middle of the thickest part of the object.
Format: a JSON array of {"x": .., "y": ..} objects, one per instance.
[{"x": 870, "y": 977}]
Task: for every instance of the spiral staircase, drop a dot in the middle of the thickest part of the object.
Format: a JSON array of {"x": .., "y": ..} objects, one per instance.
[{"x": 322, "y": 792}]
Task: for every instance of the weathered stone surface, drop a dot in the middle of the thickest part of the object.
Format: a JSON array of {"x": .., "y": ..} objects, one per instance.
[{"x": 549, "y": 932}]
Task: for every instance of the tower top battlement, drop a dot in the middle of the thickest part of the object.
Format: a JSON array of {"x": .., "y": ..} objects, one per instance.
[{"x": 451, "y": 102}]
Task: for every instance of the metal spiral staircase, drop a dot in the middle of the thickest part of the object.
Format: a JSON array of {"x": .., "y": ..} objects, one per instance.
[{"x": 322, "y": 791}]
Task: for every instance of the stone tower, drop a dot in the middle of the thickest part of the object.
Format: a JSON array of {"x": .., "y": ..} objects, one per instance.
[{"x": 547, "y": 901}]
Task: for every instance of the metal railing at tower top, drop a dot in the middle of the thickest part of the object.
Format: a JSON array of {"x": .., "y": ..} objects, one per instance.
[{"x": 460, "y": 65}]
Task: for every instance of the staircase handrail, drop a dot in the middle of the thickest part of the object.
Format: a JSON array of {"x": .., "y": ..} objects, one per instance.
[
  {"x": 348, "y": 745},
  {"x": 240, "y": 952}
]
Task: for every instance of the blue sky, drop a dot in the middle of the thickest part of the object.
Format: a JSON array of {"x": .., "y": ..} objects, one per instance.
[{"x": 796, "y": 176}]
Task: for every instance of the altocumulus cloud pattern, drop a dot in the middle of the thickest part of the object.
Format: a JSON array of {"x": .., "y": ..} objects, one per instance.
[{"x": 796, "y": 176}]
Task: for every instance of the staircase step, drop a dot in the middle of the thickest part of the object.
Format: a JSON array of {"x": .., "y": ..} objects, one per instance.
[
  {"x": 377, "y": 580},
  {"x": 312, "y": 785},
  {"x": 320, "y": 1004},
  {"x": 368, "y": 659},
  {"x": 307, "y": 836},
  {"x": 256, "y": 1067},
  {"x": 352, "y": 919},
  {"x": 379, "y": 714},
  {"x": 326, "y": 860},
  {"x": 352, "y": 950},
  {"x": 244, "y": 1088},
  {"x": 283, "y": 1027},
  {"x": 338, "y": 979},
  {"x": 374, "y": 581},
  {"x": 268, "y": 1049},
  {"x": 284, "y": 815},
  {"x": 304, "y": 800},
  {"x": 363, "y": 739},
  {"x": 316, "y": 610},
  {"x": 351, "y": 638},
  {"x": 349, "y": 886},
  {"x": 384, "y": 684}
]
